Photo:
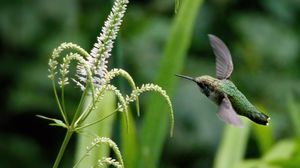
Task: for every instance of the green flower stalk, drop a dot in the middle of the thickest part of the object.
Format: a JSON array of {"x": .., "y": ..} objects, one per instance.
[
  {"x": 97, "y": 59},
  {"x": 93, "y": 78}
]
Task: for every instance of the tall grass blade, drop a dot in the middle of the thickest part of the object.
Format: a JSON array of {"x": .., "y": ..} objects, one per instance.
[
  {"x": 233, "y": 145},
  {"x": 129, "y": 144},
  {"x": 155, "y": 126},
  {"x": 102, "y": 129}
]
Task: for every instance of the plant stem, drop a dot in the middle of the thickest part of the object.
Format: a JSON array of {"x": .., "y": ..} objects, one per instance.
[
  {"x": 81, "y": 102},
  {"x": 95, "y": 122},
  {"x": 63, "y": 100},
  {"x": 58, "y": 103},
  {"x": 63, "y": 148}
]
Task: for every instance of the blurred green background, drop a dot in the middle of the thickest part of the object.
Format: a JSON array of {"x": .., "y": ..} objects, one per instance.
[{"x": 263, "y": 37}]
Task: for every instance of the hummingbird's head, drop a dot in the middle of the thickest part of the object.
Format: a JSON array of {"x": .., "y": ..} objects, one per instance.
[
  {"x": 202, "y": 82},
  {"x": 204, "y": 85}
]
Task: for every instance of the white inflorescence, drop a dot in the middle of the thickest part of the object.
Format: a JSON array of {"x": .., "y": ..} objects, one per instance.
[{"x": 97, "y": 60}]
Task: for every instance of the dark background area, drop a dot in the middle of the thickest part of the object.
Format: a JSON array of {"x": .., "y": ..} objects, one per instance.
[{"x": 263, "y": 36}]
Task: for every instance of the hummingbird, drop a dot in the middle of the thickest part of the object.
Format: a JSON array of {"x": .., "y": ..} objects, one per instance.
[{"x": 222, "y": 91}]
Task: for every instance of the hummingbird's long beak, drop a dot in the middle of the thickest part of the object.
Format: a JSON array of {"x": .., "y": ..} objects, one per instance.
[{"x": 186, "y": 77}]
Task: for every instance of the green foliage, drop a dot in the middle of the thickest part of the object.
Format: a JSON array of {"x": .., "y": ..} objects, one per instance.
[
  {"x": 129, "y": 142},
  {"x": 263, "y": 37},
  {"x": 101, "y": 129},
  {"x": 264, "y": 137},
  {"x": 233, "y": 146},
  {"x": 171, "y": 63},
  {"x": 94, "y": 79},
  {"x": 281, "y": 155}
]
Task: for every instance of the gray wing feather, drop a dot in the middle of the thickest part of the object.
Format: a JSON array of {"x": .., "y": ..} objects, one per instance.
[
  {"x": 224, "y": 65},
  {"x": 227, "y": 113}
]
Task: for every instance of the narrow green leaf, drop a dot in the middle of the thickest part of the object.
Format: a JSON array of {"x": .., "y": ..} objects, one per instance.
[
  {"x": 155, "y": 125},
  {"x": 129, "y": 142},
  {"x": 57, "y": 122},
  {"x": 233, "y": 146},
  {"x": 102, "y": 129}
]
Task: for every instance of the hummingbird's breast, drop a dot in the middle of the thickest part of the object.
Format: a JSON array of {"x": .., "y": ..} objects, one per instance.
[{"x": 216, "y": 96}]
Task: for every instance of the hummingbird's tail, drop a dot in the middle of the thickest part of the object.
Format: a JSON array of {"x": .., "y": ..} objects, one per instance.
[
  {"x": 186, "y": 77},
  {"x": 259, "y": 118}
]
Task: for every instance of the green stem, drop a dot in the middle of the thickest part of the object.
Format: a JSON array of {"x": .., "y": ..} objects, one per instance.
[
  {"x": 63, "y": 148},
  {"x": 88, "y": 110},
  {"x": 79, "y": 106},
  {"x": 58, "y": 102},
  {"x": 63, "y": 100},
  {"x": 95, "y": 122}
]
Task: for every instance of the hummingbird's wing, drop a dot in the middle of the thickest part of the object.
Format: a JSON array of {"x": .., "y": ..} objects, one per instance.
[
  {"x": 227, "y": 113},
  {"x": 224, "y": 65}
]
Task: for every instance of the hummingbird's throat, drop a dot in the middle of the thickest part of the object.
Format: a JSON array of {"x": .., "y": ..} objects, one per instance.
[
  {"x": 205, "y": 90},
  {"x": 210, "y": 93}
]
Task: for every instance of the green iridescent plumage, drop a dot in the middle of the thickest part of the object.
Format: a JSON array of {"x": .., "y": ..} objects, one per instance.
[{"x": 241, "y": 104}]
